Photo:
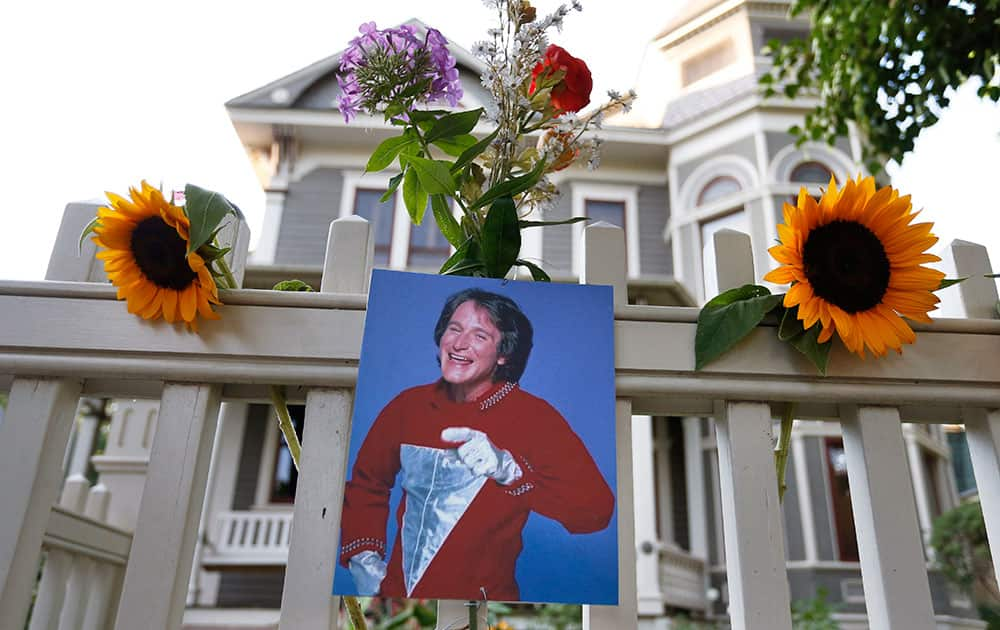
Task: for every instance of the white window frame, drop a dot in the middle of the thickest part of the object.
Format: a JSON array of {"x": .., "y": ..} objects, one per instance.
[
  {"x": 616, "y": 193},
  {"x": 353, "y": 180},
  {"x": 265, "y": 470}
]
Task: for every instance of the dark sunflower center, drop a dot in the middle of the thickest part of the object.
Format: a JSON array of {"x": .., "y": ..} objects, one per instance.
[
  {"x": 846, "y": 265},
  {"x": 160, "y": 254}
]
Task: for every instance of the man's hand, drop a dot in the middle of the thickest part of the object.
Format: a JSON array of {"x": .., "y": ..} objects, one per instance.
[
  {"x": 368, "y": 570},
  {"x": 481, "y": 456}
]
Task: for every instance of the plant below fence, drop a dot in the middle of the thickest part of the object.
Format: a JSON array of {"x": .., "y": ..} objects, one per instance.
[{"x": 963, "y": 555}]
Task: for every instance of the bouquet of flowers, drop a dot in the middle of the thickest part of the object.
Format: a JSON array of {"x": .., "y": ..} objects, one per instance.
[{"x": 537, "y": 89}]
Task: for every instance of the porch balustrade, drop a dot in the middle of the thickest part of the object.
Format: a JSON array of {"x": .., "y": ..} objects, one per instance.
[{"x": 61, "y": 340}]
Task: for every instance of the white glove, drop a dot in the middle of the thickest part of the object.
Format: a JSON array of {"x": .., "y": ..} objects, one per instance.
[
  {"x": 368, "y": 570},
  {"x": 481, "y": 456}
]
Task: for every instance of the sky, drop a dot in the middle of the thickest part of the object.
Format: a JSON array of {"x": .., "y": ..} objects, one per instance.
[{"x": 99, "y": 95}]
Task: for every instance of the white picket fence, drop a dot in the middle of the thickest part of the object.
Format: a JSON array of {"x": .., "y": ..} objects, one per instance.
[{"x": 62, "y": 339}]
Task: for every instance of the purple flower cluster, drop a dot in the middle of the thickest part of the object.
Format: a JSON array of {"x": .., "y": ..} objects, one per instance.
[{"x": 384, "y": 67}]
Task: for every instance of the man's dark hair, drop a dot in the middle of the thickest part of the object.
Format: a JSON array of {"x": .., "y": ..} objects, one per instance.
[{"x": 515, "y": 328}]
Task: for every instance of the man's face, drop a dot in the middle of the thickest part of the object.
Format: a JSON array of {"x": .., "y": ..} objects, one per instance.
[{"x": 468, "y": 350}]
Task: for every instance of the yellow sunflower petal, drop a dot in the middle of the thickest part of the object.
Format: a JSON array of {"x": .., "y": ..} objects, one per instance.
[
  {"x": 170, "y": 305},
  {"x": 188, "y": 302}
]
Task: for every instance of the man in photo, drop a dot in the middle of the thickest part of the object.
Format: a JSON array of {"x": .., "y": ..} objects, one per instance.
[{"x": 474, "y": 455}]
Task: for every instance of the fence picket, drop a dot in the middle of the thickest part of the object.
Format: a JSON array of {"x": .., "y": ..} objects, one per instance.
[
  {"x": 604, "y": 263},
  {"x": 897, "y": 592},
  {"x": 982, "y": 428},
  {"x": 753, "y": 528},
  {"x": 314, "y": 547},
  {"x": 33, "y": 438},
  {"x": 156, "y": 578}
]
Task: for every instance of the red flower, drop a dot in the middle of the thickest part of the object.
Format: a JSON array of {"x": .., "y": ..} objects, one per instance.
[{"x": 572, "y": 93}]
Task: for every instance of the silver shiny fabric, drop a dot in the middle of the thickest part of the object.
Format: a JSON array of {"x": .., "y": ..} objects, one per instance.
[{"x": 439, "y": 488}]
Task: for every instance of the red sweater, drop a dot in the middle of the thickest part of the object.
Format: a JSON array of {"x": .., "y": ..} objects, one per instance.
[{"x": 559, "y": 480}]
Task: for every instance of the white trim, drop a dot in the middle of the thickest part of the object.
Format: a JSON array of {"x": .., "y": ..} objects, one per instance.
[
  {"x": 581, "y": 192},
  {"x": 400, "y": 243},
  {"x": 786, "y": 159},
  {"x": 735, "y": 166},
  {"x": 695, "y": 480},
  {"x": 274, "y": 207}
]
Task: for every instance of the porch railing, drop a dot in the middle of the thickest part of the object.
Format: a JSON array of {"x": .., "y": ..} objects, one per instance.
[
  {"x": 60, "y": 340},
  {"x": 245, "y": 538}
]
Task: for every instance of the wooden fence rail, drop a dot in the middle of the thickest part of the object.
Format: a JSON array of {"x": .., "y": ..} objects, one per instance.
[{"x": 64, "y": 339}]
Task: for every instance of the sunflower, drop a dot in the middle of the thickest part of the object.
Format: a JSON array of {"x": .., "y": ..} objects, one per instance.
[
  {"x": 145, "y": 241},
  {"x": 854, "y": 261}
]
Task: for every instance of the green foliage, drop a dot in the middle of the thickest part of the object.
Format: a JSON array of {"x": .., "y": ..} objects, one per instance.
[
  {"x": 885, "y": 66},
  {"x": 814, "y": 613},
  {"x": 682, "y": 622},
  {"x": 805, "y": 341},
  {"x": 292, "y": 285},
  {"x": 962, "y": 551},
  {"x": 560, "y": 616},
  {"x": 206, "y": 209},
  {"x": 728, "y": 318},
  {"x": 501, "y": 238}
]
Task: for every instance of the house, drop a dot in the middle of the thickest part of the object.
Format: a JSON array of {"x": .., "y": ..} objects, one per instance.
[{"x": 701, "y": 152}]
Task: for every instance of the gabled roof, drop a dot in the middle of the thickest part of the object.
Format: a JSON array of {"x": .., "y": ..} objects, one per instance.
[
  {"x": 315, "y": 86},
  {"x": 697, "y": 104}
]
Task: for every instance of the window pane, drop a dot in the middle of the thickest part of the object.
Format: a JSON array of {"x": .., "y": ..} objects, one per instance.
[
  {"x": 428, "y": 247},
  {"x": 612, "y": 212},
  {"x": 840, "y": 491},
  {"x": 811, "y": 172},
  {"x": 379, "y": 215},
  {"x": 720, "y": 187},
  {"x": 735, "y": 221}
]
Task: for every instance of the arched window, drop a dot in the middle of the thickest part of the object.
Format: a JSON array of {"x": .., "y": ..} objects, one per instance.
[
  {"x": 811, "y": 172},
  {"x": 717, "y": 188}
]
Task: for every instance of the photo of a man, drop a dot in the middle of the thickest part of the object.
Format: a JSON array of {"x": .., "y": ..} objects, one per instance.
[{"x": 473, "y": 456}]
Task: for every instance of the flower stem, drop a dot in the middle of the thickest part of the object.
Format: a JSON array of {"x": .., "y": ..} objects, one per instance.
[
  {"x": 227, "y": 274},
  {"x": 781, "y": 454},
  {"x": 354, "y": 611},
  {"x": 280, "y": 403},
  {"x": 473, "y": 607}
]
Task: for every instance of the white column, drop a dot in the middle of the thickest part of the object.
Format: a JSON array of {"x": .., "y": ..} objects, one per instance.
[
  {"x": 694, "y": 471},
  {"x": 805, "y": 498},
  {"x": 751, "y": 518},
  {"x": 159, "y": 564},
  {"x": 33, "y": 438},
  {"x": 306, "y": 603},
  {"x": 983, "y": 431},
  {"x": 122, "y": 468},
  {"x": 647, "y": 562},
  {"x": 222, "y": 483},
  {"x": 604, "y": 263},
  {"x": 897, "y": 593},
  {"x": 86, "y": 432},
  {"x": 453, "y": 614},
  {"x": 921, "y": 488}
]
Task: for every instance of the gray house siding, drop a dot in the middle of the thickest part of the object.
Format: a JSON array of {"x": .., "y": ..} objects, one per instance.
[
  {"x": 251, "y": 589},
  {"x": 778, "y": 140},
  {"x": 557, "y": 240},
  {"x": 310, "y": 205},
  {"x": 244, "y": 494},
  {"x": 654, "y": 210},
  {"x": 745, "y": 148}
]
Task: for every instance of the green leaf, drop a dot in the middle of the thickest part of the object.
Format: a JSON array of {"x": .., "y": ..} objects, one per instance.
[
  {"x": 728, "y": 318},
  {"x": 88, "y": 229},
  {"x": 805, "y": 341},
  {"x": 528, "y": 224},
  {"x": 420, "y": 115},
  {"x": 446, "y": 220},
  {"x": 455, "y": 145},
  {"x": 435, "y": 176},
  {"x": 511, "y": 187},
  {"x": 386, "y": 152},
  {"x": 414, "y": 196},
  {"x": 537, "y": 273},
  {"x": 473, "y": 152},
  {"x": 205, "y": 209},
  {"x": 454, "y": 124},
  {"x": 947, "y": 282},
  {"x": 293, "y": 285},
  {"x": 468, "y": 267},
  {"x": 460, "y": 254},
  {"x": 393, "y": 185},
  {"x": 501, "y": 237},
  {"x": 992, "y": 275}
]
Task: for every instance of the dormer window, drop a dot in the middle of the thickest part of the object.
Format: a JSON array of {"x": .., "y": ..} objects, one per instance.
[
  {"x": 811, "y": 172},
  {"x": 707, "y": 62},
  {"x": 717, "y": 188}
]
